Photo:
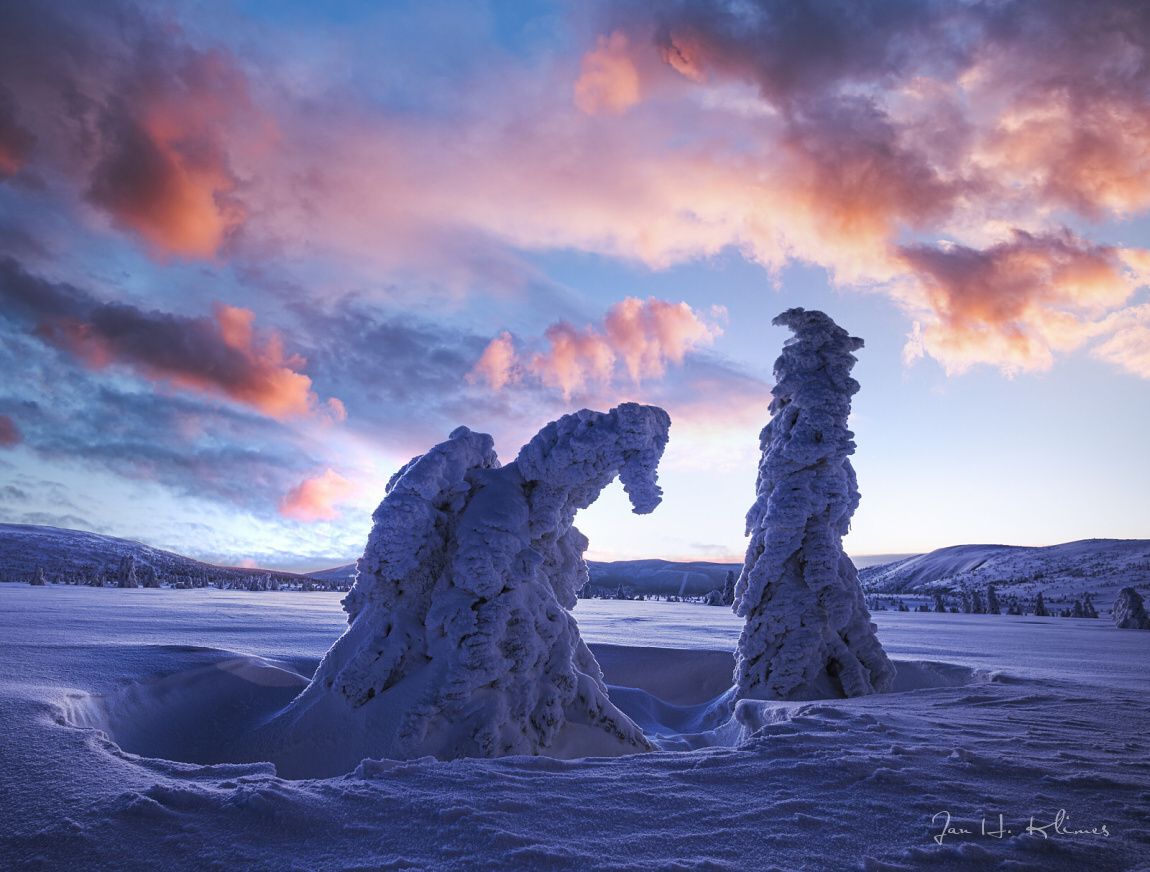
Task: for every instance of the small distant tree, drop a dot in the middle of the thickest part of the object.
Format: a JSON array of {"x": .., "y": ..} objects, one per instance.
[
  {"x": 126, "y": 575},
  {"x": 939, "y": 604},
  {"x": 38, "y": 579},
  {"x": 992, "y": 605},
  {"x": 621, "y": 594},
  {"x": 976, "y": 606},
  {"x": 1076, "y": 610},
  {"x": 714, "y": 598},
  {"x": 1088, "y": 610},
  {"x": 967, "y": 606},
  {"x": 1040, "y": 607},
  {"x": 149, "y": 577},
  {"x": 729, "y": 588}
]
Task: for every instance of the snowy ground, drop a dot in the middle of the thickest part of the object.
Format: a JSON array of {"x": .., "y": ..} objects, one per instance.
[{"x": 1030, "y": 717}]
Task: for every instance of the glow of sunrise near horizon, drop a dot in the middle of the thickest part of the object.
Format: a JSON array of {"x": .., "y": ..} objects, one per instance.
[{"x": 255, "y": 256}]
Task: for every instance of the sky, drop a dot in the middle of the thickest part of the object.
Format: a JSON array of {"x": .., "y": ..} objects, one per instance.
[{"x": 254, "y": 256}]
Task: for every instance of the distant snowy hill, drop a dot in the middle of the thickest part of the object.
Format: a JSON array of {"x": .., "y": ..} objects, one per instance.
[
  {"x": 70, "y": 552},
  {"x": 1102, "y": 566},
  {"x": 661, "y": 576},
  {"x": 336, "y": 573},
  {"x": 641, "y": 576}
]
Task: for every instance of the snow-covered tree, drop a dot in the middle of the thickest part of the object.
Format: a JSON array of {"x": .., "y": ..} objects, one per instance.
[
  {"x": 1088, "y": 609},
  {"x": 729, "y": 588},
  {"x": 38, "y": 579},
  {"x": 939, "y": 603},
  {"x": 1040, "y": 607},
  {"x": 460, "y": 641},
  {"x": 808, "y": 633},
  {"x": 992, "y": 605},
  {"x": 1130, "y": 611},
  {"x": 976, "y": 605},
  {"x": 126, "y": 575}
]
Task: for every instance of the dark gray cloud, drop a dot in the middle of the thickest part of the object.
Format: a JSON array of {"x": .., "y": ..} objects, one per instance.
[
  {"x": 15, "y": 141},
  {"x": 218, "y": 355}
]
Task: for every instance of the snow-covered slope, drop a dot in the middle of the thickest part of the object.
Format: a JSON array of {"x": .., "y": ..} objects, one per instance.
[
  {"x": 72, "y": 552},
  {"x": 1102, "y": 566}
]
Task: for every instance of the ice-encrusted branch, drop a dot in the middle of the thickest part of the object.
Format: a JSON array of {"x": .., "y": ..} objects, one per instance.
[
  {"x": 808, "y": 633},
  {"x": 459, "y": 640}
]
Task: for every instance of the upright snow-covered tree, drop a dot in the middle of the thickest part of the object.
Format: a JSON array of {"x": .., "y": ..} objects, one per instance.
[
  {"x": 126, "y": 575},
  {"x": 460, "y": 641},
  {"x": 1040, "y": 607},
  {"x": 808, "y": 633},
  {"x": 1130, "y": 611},
  {"x": 939, "y": 604},
  {"x": 38, "y": 579},
  {"x": 993, "y": 607},
  {"x": 729, "y": 588},
  {"x": 1088, "y": 609},
  {"x": 976, "y": 606}
]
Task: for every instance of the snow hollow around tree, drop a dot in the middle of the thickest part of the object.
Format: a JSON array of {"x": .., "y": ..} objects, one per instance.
[
  {"x": 808, "y": 634},
  {"x": 460, "y": 641}
]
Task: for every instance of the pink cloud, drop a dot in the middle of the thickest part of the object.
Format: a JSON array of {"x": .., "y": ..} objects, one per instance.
[
  {"x": 496, "y": 365},
  {"x": 645, "y": 335},
  {"x": 10, "y": 435},
  {"x": 314, "y": 499},
  {"x": 608, "y": 81},
  {"x": 221, "y": 356},
  {"x": 1017, "y": 302}
]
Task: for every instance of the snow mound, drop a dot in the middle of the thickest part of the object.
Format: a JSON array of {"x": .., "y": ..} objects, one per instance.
[
  {"x": 808, "y": 633},
  {"x": 193, "y": 716},
  {"x": 460, "y": 643}
]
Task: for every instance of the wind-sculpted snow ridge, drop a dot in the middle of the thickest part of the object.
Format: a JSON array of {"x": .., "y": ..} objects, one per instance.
[
  {"x": 808, "y": 633},
  {"x": 460, "y": 643},
  {"x": 1130, "y": 611}
]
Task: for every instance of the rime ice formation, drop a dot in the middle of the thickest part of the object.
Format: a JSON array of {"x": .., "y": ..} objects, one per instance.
[
  {"x": 808, "y": 633},
  {"x": 1130, "y": 611},
  {"x": 460, "y": 643}
]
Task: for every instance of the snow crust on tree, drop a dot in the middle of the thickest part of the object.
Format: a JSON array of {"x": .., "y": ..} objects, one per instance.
[
  {"x": 1130, "y": 611},
  {"x": 808, "y": 633},
  {"x": 459, "y": 641}
]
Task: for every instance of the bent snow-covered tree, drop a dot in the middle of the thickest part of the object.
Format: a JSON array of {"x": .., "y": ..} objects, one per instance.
[
  {"x": 460, "y": 642},
  {"x": 808, "y": 633}
]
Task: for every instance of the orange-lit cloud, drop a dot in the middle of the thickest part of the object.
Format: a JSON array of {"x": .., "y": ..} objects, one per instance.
[
  {"x": 10, "y": 435},
  {"x": 165, "y": 172},
  {"x": 224, "y": 356},
  {"x": 497, "y": 364},
  {"x": 644, "y": 335},
  {"x": 609, "y": 80},
  {"x": 315, "y": 498},
  {"x": 1016, "y": 303},
  {"x": 220, "y": 356}
]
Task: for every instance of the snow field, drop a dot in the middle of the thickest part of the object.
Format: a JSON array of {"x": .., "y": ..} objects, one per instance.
[{"x": 1017, "y": 717}]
